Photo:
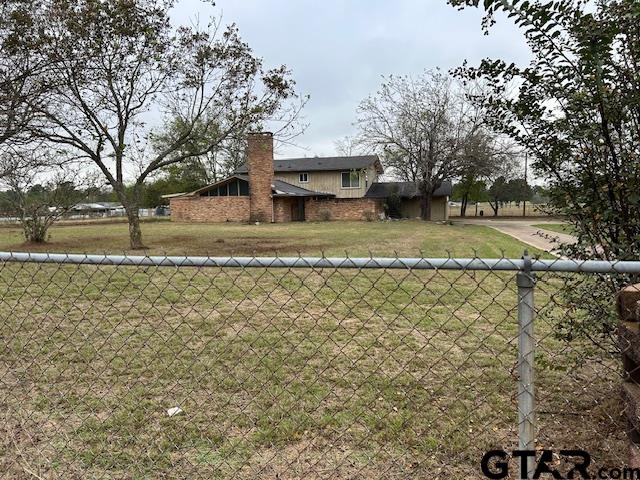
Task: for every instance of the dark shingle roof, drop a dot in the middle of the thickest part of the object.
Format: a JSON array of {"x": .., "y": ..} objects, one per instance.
[
  {"x": 284, "y": 189},
  {"x": 314, "y": 164},
  {"x": 404, "y": 190}
]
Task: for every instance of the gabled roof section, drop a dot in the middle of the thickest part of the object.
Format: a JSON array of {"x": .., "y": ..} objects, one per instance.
[
  {"x": 173, "y": 195},
  {"x": 278, "y": 188},
  {"x": 218, "y": 183},
  {"x": 284, "y": 189},
  {"x": 317, "y": 164},
  {"x": 404, "y": 190}
]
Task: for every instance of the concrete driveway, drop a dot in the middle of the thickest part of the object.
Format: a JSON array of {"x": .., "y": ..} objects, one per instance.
[{"x": 523, "y": 230}]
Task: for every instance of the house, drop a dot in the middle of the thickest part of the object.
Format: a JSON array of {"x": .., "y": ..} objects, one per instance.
[
  {"x": 410, "y": 197},
  {"x": 312, "y": 189},
  {"x": 104, "y": 209}
]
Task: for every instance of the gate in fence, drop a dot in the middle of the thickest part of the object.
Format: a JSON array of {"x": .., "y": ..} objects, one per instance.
[{"x": 205, "y": 367}]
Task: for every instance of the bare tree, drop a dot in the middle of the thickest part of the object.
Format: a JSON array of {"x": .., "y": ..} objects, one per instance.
[
  {"x": 348, "y": 146},
  {"x": 420, "y": 126},
  {"x": 38, "y": 194},
  {"x": 117, "y": 63}
]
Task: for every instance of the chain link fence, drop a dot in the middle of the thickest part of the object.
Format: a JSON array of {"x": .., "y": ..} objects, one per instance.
[{"x": 385, "y": 368}]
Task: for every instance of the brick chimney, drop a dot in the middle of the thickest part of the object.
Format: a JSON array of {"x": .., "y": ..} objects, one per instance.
[{"x": 260, "y": 166}]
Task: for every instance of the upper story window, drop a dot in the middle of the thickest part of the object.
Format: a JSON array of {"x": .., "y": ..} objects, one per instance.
[
  {"x": 351, "y": 179},
  {"x": 304, "y": 177}
]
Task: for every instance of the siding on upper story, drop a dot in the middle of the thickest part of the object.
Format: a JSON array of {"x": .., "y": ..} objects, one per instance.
[{"x": 331, "y": 182}]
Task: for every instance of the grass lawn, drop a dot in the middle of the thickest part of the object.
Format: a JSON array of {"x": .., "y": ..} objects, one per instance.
[
  {"x": 407, "y": 238},
  {"x": 282, "y": 373},
  {"x": 556, "y": 227},
  {"x": 508, "y": 210}
]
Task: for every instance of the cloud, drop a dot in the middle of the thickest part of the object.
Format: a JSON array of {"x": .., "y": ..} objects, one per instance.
[{"x": 339, "y": 49}]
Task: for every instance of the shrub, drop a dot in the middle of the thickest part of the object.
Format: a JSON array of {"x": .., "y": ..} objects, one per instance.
[
  {"x": 325, "y": 215},
  {"x": 369, "y": 216},
  {"x": 393, "y": 206}
]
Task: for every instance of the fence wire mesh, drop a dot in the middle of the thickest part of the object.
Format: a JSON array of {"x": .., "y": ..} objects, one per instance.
[{"x": 262, "y": 368}]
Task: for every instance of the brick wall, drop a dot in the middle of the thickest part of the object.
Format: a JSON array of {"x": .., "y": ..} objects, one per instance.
[
  {"x": 237, "y": 209},
  {"x": 629, "y": 340},
  {"x": 260, "y": 165},
  {"x": 282, "y": 209},
  {"x": 342, "y": 209},
  {"x": 210, "y": 209}
]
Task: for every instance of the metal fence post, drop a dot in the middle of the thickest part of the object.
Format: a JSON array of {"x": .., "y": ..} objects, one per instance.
[{"x": 526, "y": 281}]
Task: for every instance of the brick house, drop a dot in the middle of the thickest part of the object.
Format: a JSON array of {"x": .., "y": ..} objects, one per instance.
[{"x": 312, "y": 189}]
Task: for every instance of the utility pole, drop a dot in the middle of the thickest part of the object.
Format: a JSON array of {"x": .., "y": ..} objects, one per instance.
[{"x": 524, "y": 203}]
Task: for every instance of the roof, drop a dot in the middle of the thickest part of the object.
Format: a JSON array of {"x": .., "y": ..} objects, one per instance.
[
  {"x": 172, "y": 195},
  {"x": 284, "y": 189},
  {"x": 404, "y": 190},
  {"x": 315, "y": 164},
  {"x": 98, "y": 206},
  {"x": 278, "y": 187}
]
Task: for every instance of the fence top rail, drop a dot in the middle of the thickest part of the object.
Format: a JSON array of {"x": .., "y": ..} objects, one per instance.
[{"x": 401, "y": 263}]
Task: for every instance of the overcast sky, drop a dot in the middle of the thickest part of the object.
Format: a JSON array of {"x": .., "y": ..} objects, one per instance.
[{"x": 339, "y": 49}]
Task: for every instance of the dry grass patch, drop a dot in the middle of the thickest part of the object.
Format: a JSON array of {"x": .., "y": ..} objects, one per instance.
[
  {"x": 405, "y": 238},
  {"x": 301, "y": 373}
]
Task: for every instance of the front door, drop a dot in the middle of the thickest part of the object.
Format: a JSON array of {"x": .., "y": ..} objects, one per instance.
[{"x": 297, "y": 209}]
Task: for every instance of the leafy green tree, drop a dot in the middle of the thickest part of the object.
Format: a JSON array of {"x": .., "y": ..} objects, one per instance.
[
  {"x": 224, "y": 158},
  {"x": 498, "y": 194},
  {"x": 539, "y": 195},
  {"x": 485, "y": 156},
  {"x": 176, "y": 179},
  {"x": 576, "y": 109},
  {"x": 116, "y": 60},
  {"x": 469, "y": 189},
  {"x": 20, "y": 65},
  {"x": 518, "y": 190}
]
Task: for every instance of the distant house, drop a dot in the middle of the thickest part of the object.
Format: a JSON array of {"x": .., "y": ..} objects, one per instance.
[
  {"x": 98, "y": 209},
  {"x": 299, "y": 189}
]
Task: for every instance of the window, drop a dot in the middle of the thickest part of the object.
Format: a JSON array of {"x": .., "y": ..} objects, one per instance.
[
  {"x": 244, "y": 188},
  {"x": 351, "y": 179},
  {"x": 233, "y": 189},
  {"x": 304, "y": 178}
]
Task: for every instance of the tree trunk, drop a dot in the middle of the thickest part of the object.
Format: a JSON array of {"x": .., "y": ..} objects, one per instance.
[
  {"x": 425, "y": 206},
  {"x": 135, "y": 234},
  {"x": 495, "y": 208},
  {"x": 463, "y": 207},
  {"x": 130, "y": 204}
]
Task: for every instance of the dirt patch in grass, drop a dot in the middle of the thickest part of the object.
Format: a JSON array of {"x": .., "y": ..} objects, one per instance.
[
  {"x": 253, "y": 245},
  {"x": 212, "y": 246},
  {"x": 250, "y": 245}
]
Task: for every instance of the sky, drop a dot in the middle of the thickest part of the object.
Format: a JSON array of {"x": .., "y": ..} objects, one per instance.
[{"x": 338, "y": 50}]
